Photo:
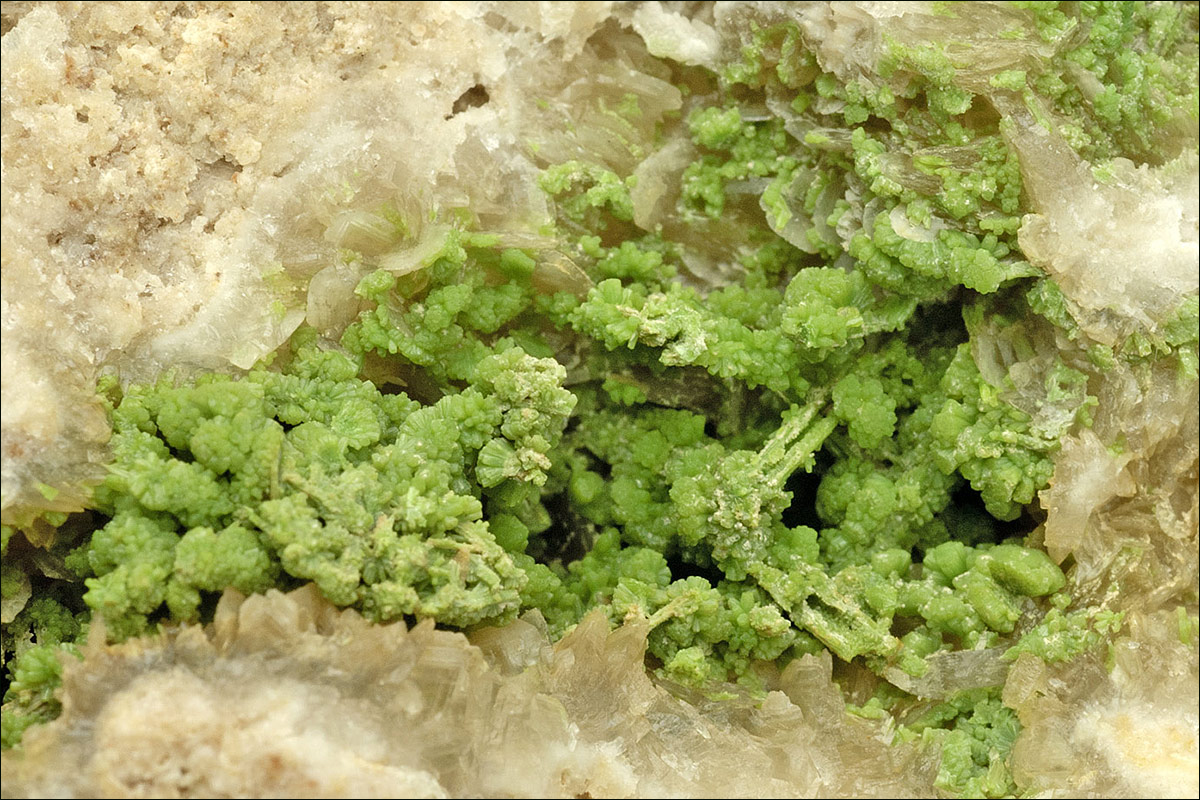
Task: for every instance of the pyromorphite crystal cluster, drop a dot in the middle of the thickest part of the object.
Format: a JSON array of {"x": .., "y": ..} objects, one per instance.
[{"x": 772, "y": 422}]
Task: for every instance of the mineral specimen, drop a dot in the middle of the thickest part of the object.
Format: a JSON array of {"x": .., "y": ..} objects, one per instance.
[{"x": 609, "y": 399}]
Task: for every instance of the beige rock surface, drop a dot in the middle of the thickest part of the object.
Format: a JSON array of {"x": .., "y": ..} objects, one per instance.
[
  {"x": 287, "y": 696},
  {"x": 170, "y": 170},
  {"x": 1123, "y": 729}
]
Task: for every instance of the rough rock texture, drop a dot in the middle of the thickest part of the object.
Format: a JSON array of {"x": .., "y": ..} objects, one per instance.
[
  {"x": 169, "y": 170},
  {"x": 286, "y": 696},
  {"x": 1128, "y": 731}
]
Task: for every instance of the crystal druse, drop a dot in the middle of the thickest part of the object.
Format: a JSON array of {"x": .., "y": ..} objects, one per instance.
[{"x": 600, "y": 399}]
